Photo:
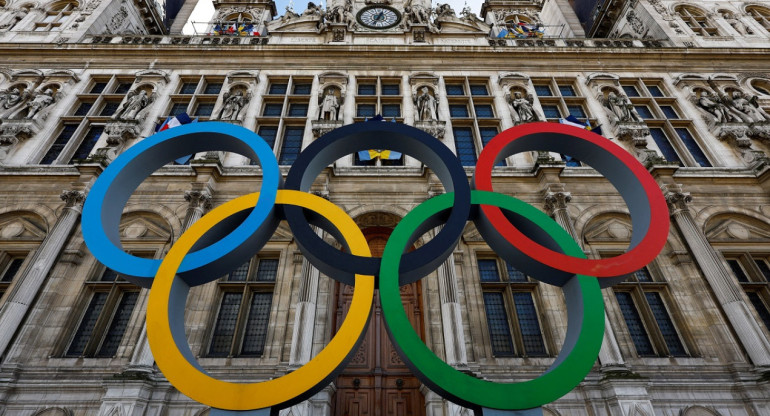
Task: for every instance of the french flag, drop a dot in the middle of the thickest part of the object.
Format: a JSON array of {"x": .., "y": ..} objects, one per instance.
[{"x": 177, "y": 121}]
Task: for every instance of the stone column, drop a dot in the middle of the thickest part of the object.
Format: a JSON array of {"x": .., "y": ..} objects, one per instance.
[
  {"x": 32, "y": 279},
  {"x": 556, "y": 200},
  {"x": 304, "y": 317},
  {"x": 451, "y": 315},
  {"x": 726, "y": 289},
  {"x": 199, "y": 201}
]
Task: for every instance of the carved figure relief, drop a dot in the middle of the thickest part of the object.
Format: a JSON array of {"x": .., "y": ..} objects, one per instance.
[
  {"x": 636, "y": 23},
  {"x": 444, "y": 10},
  {"x": 330, "y": 105},
  {"x": 735, "y": 22},
  {"x": 118, "y": 19},
  {"x": 620, "y": 108},
  {"x": 715, "y": 106},
  {"x": 136, "y": 101},
  {"x": 234, "y": 102},
  {"x": 426, "y": 105},
  {"x": 747, "y": 109},
  {"x": 9, "y": 98},
  {"x": 41, "y": 101},
  {"x": 18, "y": 16}
]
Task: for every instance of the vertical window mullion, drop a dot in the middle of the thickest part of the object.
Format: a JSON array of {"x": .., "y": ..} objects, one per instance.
[
  {"x": 497, "y": 322},
  {"x": 634, "y": 324},
  {"x": 529, "y": 324},
  {"x": 119, "y": 324},
  {"x": 87, "y": 324},
  {"x": 255, "y": 333},
  {"x": 665, "y": 324},
  {"x": 224, "y": 328}
]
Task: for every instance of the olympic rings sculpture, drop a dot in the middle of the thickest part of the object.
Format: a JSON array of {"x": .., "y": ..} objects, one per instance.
[{"x": 232, "y": 233}]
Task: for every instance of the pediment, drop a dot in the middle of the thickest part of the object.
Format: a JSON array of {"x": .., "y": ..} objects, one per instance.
[
  {"x": 22, "y": 228},
  {"x": 145, "y": 228},
  {"x": 612, "y": 229},
  {"x": 732, "y": 229}
]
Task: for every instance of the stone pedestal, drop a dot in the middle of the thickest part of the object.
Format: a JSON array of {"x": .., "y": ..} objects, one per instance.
[
  {"x": 636, "y": 134},
  {"x": 13, "y": 132},
  {"x": 434, "y": 128},
  {"x": 118, "y": 134},
  {"x": 737, "y": 134},
  {"x": 321, "y": 127}
]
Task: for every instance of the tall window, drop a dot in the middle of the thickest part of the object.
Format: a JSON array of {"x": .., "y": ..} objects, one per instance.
[
  {"x": 761, "y": 15},
  {"x": 511, "y": 310},
  {"x": 284, "y": 115},
  {"x": 643, "y": 303},
  {"x": 378, "y": 95},
  {"x": 473, "y": 117},
  {"x": 560, "y": 98},
  {"x": 240, "y": 328},
  {"x": 56, "y": 16},
  {"x": 697, "y": 20},
  {"x": 106, "y": 317},
  {"x": 753, "y": 274},
  {"x": 10, "y": 267},
  {"x": 196, "y": 97},
  {"x": 673, "y": 134}
]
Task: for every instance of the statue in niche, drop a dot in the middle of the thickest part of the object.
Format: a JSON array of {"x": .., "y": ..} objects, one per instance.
[
  {"x": 18, "y": 16},
  {"x": 234, "y": 103},
  {"x": 134, "y": 104},
  {"x": 330, "y": 106},
  {"x": 523, "y": 111},
  {"x": 736, "y": 23},
  {"x": 716, "y": 107},
  {"x": 41, "y": 101},
  {"x": 747, "y": 110},
  {"x": 622, "y": 108},
  {"x": 444, "y": 10},
  {"x": 426, "y": 106},
  {"x": 10, "y": 97}
]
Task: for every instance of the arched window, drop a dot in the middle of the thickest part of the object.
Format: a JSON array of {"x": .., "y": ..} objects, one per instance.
[
  {"x": 697, "y": 20},
  {"x": 761, "y": 15},
  {"x": 56, "y": 16}
]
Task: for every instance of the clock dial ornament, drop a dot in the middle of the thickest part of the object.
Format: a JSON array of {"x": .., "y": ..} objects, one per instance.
[{"x": 378, "y": 17}]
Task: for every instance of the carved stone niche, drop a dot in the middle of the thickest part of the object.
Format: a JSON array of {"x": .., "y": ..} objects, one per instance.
[
  {"x": 333, "y": 88},
  {"x": 13, "y": 99},
  {"x": 426, "y": 97},
  {"x": 236, "y": 96}
]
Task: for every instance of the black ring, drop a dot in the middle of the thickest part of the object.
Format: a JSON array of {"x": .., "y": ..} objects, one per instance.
[{"x": 343, "y": 141}]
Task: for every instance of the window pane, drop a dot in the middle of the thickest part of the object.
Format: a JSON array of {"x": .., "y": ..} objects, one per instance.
[
  {"x": 367, "y": 89},
  {"x": 109, "y": 108},
  {"x": 466, "y": 149},
  {"x": 483, "y": 111},
  {"x": 634, "y": 324},
  {"x": 487, "y": 134},
  {"x": 240, "y": 273},
  {"x": 109, "y": 275},
  {"x": 577, "y": 111},
  {"x": 268, "y": 133},
  {"x": 204, "y": 109},
  {"x": 497, "y": 320},
  {"x": 763, "y": 268},
  {"x": 292, "y": 143},
  {"x": 391, "y": 110},
  {"x": 213, "y": 88},
  {"x": 277, "y": 88},
  {"x": 224, "y": 329},
  {"x": 256, "y": 325},
  {"x": 98, "y": 88},
  {"x": 566, "y": 91},
  {"x": 12, "y": 269},
  {"x": 514, "y": 274},
  {"x": 655, "y": 91},
  {"x": 643, "y": 275},
  {"x": 692, "y": 147},
  {"x": 188, "y": 88},
  {"x": 267, "y": 270},
  {"x": 761, "y": 308},
  {"x": 643, "y": 111},
  {"x": 83, "y": 109},
  {"x": 87, "y": 324},
  {"x": 123, "y": 88},
  {"x": 479, "y": 89},
  {"x": 543, "y": 91},
  {"x": 669, "y": 112},
  {"x": 551, "y": 111},
  {"x": 630, "y": 91},
  {"x": 302, "y": 89},
  {"x": 59, "y": 143},
  {"x": 391, "y": 89},
  {"x": 297, "y": 110},
  {"x": 365, "y": 110},
  {"x": 455, "y": 89},
  {"x": 735, "y": 266},
  {"x": 273, "y": 109},
  {"x": 659, "y": 136},
  {"x": 88, "y": 143},
  {"x": 488, "y": 270},
  {"x": 458, "y": 110},
  {"x": 528, "y": 323},
  {"x": 665, "y": 324},
  {"x": 177, "y": 108},
  {"x": 118, "y": 325}
]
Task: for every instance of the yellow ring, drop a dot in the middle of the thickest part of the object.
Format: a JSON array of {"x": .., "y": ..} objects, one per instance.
[{"x": 184, "y": 372}]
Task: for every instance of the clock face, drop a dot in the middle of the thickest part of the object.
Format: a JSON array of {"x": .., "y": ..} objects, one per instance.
[{"x": 378, "y": 17}]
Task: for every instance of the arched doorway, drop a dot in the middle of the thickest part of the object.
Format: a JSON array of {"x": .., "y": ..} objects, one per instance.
[{"x": 377, "y": 382}]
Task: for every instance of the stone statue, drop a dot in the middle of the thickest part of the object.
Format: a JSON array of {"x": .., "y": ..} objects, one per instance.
[
  {"x": 523, "y": 112},
  {"x": 329, "y": 106},
  {"x": 40, "y": 102},
  {"x": 313, "y": 10},
  {"x": 342, "y": 14},
  {"x": 747, "y": 110},
  {"x": 233, "y": 105},
  {"x": 11, "y": 98},
  {"x": 426, "y": 106},
  {"x": 288, "y": 15},
  {"x": 135, "y": 102},
  {"x": 715, "y": 107},
  {"x": 444, "y": 10},
  {"x": 419, "y": 15},
  {"x": 18, "y": 16},
  {"x": 621, "y": 107},
  {"x": 736, "y": 23},
  {"x": 469, "y": 16}
]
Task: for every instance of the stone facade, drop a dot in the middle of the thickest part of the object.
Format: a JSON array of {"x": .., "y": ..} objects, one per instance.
[{"x": 684, "y": 88}]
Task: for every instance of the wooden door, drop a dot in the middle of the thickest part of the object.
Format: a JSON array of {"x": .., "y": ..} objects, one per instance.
[{"x": 377, "y": 382}]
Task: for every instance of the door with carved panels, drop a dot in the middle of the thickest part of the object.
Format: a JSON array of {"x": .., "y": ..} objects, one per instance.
[{"x": 377, "y": 382}]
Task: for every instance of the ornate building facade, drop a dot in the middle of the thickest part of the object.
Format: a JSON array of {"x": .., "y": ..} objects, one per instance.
[{"x": 683, "y": 86}]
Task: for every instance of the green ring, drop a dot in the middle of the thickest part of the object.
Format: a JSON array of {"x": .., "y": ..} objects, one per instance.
[{"x": 585, "y": 328}]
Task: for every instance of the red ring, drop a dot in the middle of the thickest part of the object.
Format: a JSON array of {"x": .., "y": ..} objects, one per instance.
[{"x": 634, "y": 259}]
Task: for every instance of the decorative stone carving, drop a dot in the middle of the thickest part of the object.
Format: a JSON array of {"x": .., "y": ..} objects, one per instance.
[
  {"x": 321, "y": 127},
  {"x": 636, "y": 23},
  {"x": 434, "y": 128},
  {"x": 118, "y": 133},
  {"x": 637, "y": 134},
  {"x": 714, "y": 106},
  {"x": 117, "y": 20},
  {"x": 41, "y": 101},
  {"x": 426, "y": 105},
  {"x": 338, "y": 34},
  {"x": 13, "y": 132},
  {"x": 737, "y": 135},
  {"x": 234, "y": 103},
  {"x": 444, "y": 10},
  {"x": 747, "y": 109},
  {"x": 133, "y": 106},
  {"x": 18, "y": 16},
  {"x": 329, "y": 104},
  {"x": 198, "y": 199},
  {"x": 72, "y": 198},
  {"x": 417, "y": 16},
  {"x": 342, "y": 15},
  {"x": 620, "y": 108},
  {"x": 522, "y": 108},
  {"x": 11, "y": 97},
  {"x": 736, "y": 23},
  {"x": 556, "y": 199}
]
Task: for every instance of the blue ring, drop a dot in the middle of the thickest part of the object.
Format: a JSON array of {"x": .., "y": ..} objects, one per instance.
[{"x": 108, "y": 196}]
